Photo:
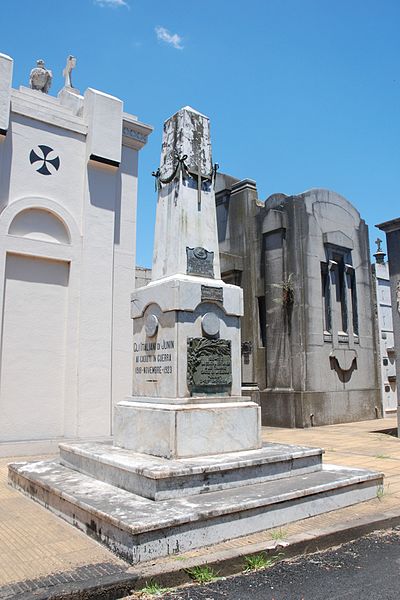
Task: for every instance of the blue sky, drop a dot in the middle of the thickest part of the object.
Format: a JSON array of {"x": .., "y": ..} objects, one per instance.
[{"x": 300, "y": 93}]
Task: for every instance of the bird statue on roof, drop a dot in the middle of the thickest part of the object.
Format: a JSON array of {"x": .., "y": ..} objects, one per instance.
[{"x": 40, "y": 77}]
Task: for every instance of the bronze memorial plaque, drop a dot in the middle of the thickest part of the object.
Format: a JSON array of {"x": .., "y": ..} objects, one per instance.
[
  {"x": 200, "y": 262},
  {"x": 209, "y": 365}
]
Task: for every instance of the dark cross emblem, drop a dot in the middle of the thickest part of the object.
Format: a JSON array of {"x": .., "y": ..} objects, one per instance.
[{"x": 42, "y": 157}]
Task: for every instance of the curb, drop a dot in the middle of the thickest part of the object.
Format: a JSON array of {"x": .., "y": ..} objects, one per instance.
[
  {"x": 230, "y": 562},
  {"x": 171, "y": 573}
]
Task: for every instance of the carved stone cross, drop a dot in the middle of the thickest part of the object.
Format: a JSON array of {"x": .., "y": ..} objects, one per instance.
[
  {"x": 71, "y": 64},
  {"x": 378, "y": 242}
]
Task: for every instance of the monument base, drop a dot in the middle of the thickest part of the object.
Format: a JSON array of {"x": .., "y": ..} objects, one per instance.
[
  {"x": 227, "y": 424},
  {"x": 162, "y": 479},
  {"x": 140, "y": 529}
]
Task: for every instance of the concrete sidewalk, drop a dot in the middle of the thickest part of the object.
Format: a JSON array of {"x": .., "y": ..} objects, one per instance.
[{"x": 40, "y": 552}]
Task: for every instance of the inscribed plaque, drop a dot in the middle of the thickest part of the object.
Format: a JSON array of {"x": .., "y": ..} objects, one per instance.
[
  {"x": 209, "y": 365},
  {"x": 212, "y": 293},
  {"x": 200, "y": 262}
]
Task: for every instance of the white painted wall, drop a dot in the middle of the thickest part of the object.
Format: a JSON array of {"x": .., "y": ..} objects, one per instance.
[
  {"x": 33, "y": 348},
  {"x": 67, "y": 263},
  {"x": 386, "y": 338}
]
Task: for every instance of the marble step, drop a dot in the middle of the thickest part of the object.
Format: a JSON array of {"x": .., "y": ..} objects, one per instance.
[
  {"x": 139, "y": 529},
  {"x": 160, "y": 479}
]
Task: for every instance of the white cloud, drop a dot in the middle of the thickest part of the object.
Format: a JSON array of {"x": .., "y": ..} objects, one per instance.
[
  {"x": 112, "y": 3},
  {"x": 173, "y": 39}
]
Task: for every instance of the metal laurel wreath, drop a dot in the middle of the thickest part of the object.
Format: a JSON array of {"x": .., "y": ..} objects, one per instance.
[{"x": 181, "y": 166}]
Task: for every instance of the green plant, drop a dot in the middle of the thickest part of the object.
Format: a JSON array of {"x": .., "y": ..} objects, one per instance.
[
  {"x": 380, "y": 491},
  {"x": 202, "y": 573},
  {"x": 152, "y": 588},
  {"x": 287, "y": 288},
  {"x": 256, "y": 562},
  {"x": 382, "y": 456},
  {"x": 279, "y": 534}
]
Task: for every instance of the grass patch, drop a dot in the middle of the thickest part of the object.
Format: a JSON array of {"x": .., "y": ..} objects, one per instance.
[
  {"x": 279, "y": 534},
  {"x": 382, "y": 456},
  {"x": 257, "y": 562},
  {"x": 202, "y": 574},
  {"x": 152, "y": 588},
  {"x": 380, "y": 492}
]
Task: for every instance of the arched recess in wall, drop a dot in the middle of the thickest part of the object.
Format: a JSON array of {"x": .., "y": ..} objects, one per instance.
[
  {"x": 39, "y": 276},
  {"x": 41, "y": 225}
]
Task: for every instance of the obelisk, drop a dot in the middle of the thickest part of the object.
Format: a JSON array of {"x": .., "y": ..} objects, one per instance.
[{"x": 186, "y": 398}]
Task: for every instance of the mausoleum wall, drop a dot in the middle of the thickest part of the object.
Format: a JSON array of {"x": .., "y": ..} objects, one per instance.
[
  {"x": 309, "y": 342},
  {"x": 68, "y": 188}
]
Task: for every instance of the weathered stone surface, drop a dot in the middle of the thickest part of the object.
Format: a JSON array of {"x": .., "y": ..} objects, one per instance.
[
  {"x": 139, "y": 529},
  {"x": 160, "y": 479},
  {"x": 303, "y": 263},
  {"x": 187, "y": 132},
  {"x": 185, "y": 219}
]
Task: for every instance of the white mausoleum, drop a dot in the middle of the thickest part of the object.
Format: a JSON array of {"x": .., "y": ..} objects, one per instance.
[
  {"x": 68, "y": 190},
  {"x": 387, "y": 361}
]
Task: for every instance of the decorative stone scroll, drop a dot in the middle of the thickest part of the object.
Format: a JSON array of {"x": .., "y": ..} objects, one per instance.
[
  {"x": 200, "y": 262},
  {"x": 209, "y": 365}
]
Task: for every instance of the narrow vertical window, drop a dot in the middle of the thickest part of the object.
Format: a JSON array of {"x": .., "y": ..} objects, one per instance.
[
  {"x": 353, "y": 294},
  {"x": 326, "y": 299},
  {"x": 341, "y": 290},
  {"x": 262, "y": 320}
]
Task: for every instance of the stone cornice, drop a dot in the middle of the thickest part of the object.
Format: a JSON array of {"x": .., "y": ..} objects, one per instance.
[{"x": 134, "y": 133}]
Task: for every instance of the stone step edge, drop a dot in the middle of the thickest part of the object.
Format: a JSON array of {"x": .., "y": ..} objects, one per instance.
[
  {"x": 223, "y": 466},
  {"x": 170, "y": 572},
  {"x": 363, "y": 477}
]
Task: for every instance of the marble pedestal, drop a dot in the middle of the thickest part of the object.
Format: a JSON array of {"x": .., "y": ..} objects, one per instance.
[
  {"x": 177, "y": 411},
  {"x": 187, "y": 430}
]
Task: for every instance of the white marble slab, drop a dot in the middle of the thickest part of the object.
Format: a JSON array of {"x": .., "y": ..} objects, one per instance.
[{"x": 159, "y": 478}]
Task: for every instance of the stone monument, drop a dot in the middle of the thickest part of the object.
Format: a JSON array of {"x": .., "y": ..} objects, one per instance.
[
  {"x": 186, "y": 323},
  {"x": 186, "y": 467}
]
